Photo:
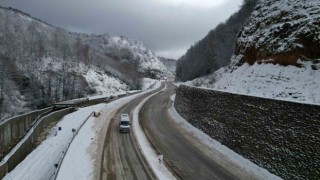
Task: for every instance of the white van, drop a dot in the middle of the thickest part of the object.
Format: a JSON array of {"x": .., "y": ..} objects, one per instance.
[{"x": 124, "y": 125}]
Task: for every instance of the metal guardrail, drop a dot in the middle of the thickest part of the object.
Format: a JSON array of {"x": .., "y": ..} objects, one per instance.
[
  {"x": 55, "y": 175},
  {"x": 20, "y": 154},
  {"x": 61, "y": 160}
]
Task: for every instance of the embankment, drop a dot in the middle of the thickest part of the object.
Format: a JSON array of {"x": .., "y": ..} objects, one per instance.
[{"x": 282, "y": 137}]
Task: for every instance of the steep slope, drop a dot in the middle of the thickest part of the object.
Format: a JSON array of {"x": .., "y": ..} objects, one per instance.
[
  {"x": 214, "y": 50},
  {"x": 40, "y": 63},
  {"x": 127, "y": 50},
  {"x": 268, "y": 80},
  {"x": 277, "y": 54},
  {"x": 281, "y": 32}
]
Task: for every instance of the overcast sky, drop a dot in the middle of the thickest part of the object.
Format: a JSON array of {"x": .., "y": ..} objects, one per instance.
[{"x": 168, "y": 27}]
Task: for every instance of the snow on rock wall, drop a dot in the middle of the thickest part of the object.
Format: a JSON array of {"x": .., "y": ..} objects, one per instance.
[
  {"x": 280, "y": 31},
  {"x": 277, "y": 54},
  {"x": 282, "y": 137}
]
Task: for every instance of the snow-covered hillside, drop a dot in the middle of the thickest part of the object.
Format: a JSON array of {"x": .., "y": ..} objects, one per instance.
[
  {"x": 267, "y": 80},
  {"x": 127, "y": 49},
  {"x": 41, "y": 64},
  {"x": 277, "y": 54}
]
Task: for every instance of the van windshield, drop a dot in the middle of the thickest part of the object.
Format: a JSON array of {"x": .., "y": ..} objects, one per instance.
[{"x": 125, "y": 123}]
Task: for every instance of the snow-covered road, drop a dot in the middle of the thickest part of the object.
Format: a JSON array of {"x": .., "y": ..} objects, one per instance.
[
  {"x": 81, "y": 158},
  {"x": 130, "y": 156},
  {"x": 190, "y": 153}
]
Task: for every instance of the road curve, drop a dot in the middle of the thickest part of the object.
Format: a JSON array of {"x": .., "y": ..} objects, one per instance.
[
  {"x": 186, "y": 160},
  {"x": 121, "y": 157}
]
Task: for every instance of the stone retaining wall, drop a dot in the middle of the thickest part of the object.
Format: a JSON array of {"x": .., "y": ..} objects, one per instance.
[{"x": 283, "y": 137}]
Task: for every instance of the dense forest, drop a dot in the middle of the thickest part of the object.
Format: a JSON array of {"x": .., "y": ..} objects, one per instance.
[{"x": 214, "y": 50}]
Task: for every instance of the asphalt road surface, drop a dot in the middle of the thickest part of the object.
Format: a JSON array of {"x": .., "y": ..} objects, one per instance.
[
  {"x": 122, "y": 158},
  {"x": 185, "y": 160}
]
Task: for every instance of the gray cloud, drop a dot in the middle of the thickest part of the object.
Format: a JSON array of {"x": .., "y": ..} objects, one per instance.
[{"x": 166, "y": 29}]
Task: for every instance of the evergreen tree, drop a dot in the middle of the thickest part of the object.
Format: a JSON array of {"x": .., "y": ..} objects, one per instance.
[{"x": 215, "y": 50}]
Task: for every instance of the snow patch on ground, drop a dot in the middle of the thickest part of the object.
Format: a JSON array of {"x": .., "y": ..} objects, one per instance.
[
  {"x": 218, "y": 148},
  {"x": 287, "y": 83},
  {"x": 148, "y": 83},
  {"x": 104, "y": 84}
]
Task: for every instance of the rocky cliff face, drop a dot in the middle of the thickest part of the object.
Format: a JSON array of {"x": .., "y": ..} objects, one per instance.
[
  {"x": 280, "y": 32},
  {"x": 277, "y": 54}
]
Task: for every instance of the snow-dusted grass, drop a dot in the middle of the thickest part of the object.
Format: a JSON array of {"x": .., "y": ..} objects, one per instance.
[
  {"x": 267, "y": 80},
  {"x": 222, "y": 153},
  {"x": 159, "y": 169}
]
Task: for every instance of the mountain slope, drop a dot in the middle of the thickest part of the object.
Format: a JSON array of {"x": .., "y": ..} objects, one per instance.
[
  {"x": 214, "y": 50},
  {"x": 282, "y": 32},
  {"x": 277, "y": 54},
  {"x": 40, "y": 63}
]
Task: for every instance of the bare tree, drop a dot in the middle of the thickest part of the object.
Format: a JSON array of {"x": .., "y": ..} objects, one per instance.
[
  {"x": 86, "y": 57},
  {"x": 78, "y": 50},
  {"x": 2, "y": 85}
]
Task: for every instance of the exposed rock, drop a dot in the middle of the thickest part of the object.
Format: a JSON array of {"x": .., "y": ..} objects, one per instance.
[{"x": 282, "y": 32}]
